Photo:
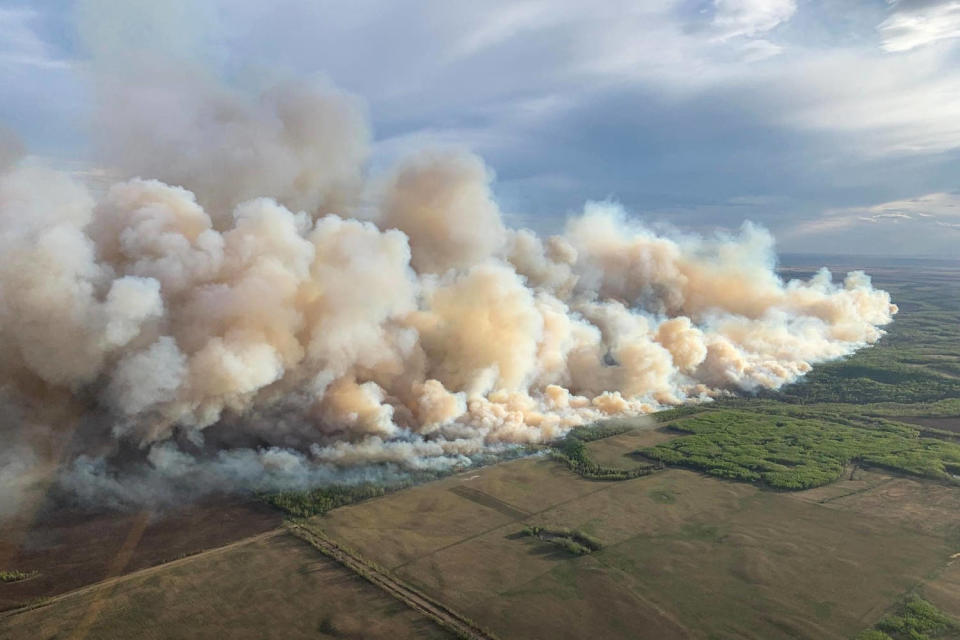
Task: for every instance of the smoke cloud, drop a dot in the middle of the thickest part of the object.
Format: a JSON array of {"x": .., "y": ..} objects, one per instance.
[{"x": 249, "y": 309}]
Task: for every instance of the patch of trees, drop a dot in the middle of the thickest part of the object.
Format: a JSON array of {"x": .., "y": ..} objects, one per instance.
[
  {"x": 914, "y": 619},
  {"x": 865, "y": 385},
  {"x": 589, "y": 433},
  {"x": 572, "y": 541},
  {"x": 313, "y": 502},
  {"x": 792, "y": 453},
  {"x": 679, "y": 412}
]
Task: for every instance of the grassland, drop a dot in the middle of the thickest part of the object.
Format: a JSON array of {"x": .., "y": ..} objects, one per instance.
[
  {"x": 272, "y": 587},
  {"x": 683, "y": 555},
  {"x": 572, "y": 451}
]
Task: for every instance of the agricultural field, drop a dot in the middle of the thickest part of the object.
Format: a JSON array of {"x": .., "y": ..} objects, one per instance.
[
  {"x": 683, "y": 555},
  {"x": 248, "y": 590}
]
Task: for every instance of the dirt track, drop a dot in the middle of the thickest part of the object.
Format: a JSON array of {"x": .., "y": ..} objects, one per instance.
[{"x": 412, "y": 598}]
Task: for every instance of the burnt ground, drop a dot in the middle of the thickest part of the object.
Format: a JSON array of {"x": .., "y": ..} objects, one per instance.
[
  {"x": 947, "y": 423},
  {"x": 73, "y": 549}
]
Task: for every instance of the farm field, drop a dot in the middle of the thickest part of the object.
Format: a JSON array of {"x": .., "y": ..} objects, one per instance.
[
  {"x": 683, "y": 555},
  {"x": 243, "y": 591},
  {"x": 70, "y": 550}
]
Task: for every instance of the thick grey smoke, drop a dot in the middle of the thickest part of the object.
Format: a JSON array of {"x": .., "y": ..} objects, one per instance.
[{"x": 267, "y": 316}]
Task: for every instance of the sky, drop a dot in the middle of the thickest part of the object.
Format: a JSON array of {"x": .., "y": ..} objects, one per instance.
[{"x": 833, "y": 123}]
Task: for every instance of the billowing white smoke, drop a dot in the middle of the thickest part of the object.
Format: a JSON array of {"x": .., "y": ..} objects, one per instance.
[{"x": 266, "y": 317}]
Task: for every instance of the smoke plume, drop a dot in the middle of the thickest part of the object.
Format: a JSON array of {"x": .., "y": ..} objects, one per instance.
[{"x": 247, "y": 308}]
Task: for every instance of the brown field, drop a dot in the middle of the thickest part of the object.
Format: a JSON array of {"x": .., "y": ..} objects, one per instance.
[
  {"x": 947, "y": 423},
  {"x": 616, "y": 451},
  {"x": 70, "y": 550},
  {"x": 685, "y": 556},
  {"x": 923, "y": 506},
  {"x": 274, "y": 586}
]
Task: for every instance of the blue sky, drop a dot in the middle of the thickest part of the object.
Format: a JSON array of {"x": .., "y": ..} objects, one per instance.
[{"x": 834, "y": 124}]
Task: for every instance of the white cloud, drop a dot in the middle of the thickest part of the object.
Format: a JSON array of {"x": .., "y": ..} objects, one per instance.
[
  {"x": 909, "y": 104},
  {"x": 931, "y": 205},
  {"x": 751, "y": 17},
  {"x": 926, "y": 225},
  {"x": 506, "y": 23},
  {"x": 938, "y": 209},
  {"x": 909, "y": 27}
]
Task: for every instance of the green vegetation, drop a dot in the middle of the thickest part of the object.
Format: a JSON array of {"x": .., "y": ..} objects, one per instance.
[
  {"x": 851, "y": 381},
  {"x": 16, "y": 576},
  {"x": 914, "y": 619},
  {"x": 678, "y": 412},
  {"x": 917, "y": 362},
  {"x": 589, "y": 433},
  {"x": 303, "y": 504},
  {"x": 572, "y": 451},
  {"x": 570, "y": 540},
  {"x": 794, "y": 453}
]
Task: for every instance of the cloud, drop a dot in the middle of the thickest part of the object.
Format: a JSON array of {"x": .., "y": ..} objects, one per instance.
[
  {"x": 751, "y": 17},
  {"x": 924, "y": 225},
  {"x": 509, "y": 22},
  {"x": 932, "y": 207},
  {"x": 917, "y": 23},
  {"x": 896, "y": 106}
]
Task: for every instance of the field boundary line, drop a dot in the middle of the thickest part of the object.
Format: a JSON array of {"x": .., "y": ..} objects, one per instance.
[
  {"x": 413, "y": 598},
  {"x": 484, "y": 532}
]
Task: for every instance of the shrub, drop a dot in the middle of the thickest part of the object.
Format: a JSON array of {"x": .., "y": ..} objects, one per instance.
[
  {"x": 16, "y": 576},
  {"x": 914, "y": 619},
  {"x": 571, "y": 540}
]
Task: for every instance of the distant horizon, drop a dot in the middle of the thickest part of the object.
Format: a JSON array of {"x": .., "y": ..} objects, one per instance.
[{"x": 787, "y": 257}]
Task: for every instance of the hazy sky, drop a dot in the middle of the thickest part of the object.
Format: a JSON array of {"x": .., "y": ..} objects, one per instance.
[{"x": 835, "y": 123}]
